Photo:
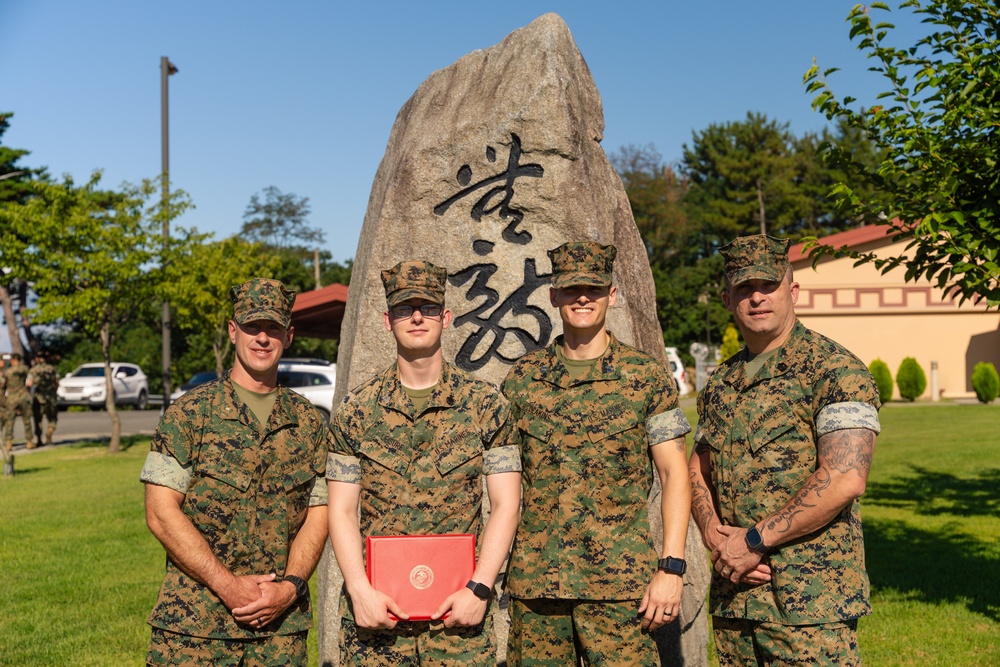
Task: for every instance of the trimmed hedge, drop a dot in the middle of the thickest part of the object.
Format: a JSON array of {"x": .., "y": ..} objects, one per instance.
[
  {"x": 883, "y": 378},
  {"x": 986, "y": 382},
  {"x": 910, "y": 379}
]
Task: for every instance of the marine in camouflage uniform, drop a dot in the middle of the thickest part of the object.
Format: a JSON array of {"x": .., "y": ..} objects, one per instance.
[
  {"x": 44, "y": 402},
  {"x": 784, "y": 443},
  {"x": 18, "y": 401},
  {"x": 412, "y": 446},
  {"x": 594, "y": 418},
  {"x": 235, "y": 491}
]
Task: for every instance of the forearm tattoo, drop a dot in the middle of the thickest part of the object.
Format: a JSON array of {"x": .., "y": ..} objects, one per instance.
[
  {"x": 839, "y": 451},
  {"x": 702, "y": 501}
]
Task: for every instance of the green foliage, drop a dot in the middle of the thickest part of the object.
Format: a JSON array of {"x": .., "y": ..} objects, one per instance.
[
  {"x": 986, "y": 382},
  {"x": 15, "y": 178},
  {"x": 730, "y": 342},
  {"x": 89, "y": 254},
  {"x": 883, "y": 379},
  {"x": 937, "y": 186},
  {"x": 910, "y": 379},
  {"x": 279, "y": 220}
]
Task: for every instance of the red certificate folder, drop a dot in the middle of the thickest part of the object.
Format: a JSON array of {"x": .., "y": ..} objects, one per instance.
[{"x": 420, "y": 571}]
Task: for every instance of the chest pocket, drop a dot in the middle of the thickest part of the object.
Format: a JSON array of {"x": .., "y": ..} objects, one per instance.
[
  {"x": 386, "y": 453},
  {"x": 231, "y": 468},
  {"x": 775, "y": 424},
  {"x": 620, "y": 444},
  {"x": 457, "y": 448}
]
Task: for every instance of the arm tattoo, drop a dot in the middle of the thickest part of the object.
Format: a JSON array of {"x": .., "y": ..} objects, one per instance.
[
  {"x": 846, "y": 450},
  {"x": 702, "y": 503}
]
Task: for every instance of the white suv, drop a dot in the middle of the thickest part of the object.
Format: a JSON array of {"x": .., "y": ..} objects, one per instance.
[
  {"x": 85, "y": 386},
  {"x": 315, "y": 379},
  {"x": 677, "y": 370}
]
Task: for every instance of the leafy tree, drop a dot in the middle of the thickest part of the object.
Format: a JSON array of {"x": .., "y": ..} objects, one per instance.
[
  {"x": 937, "y": 186},
  {"x": 883, "y": 379},
  {"x": 911, "y": 379},
  {"x": 15, "y": 187},
  {"x": 88, "y": 252},
  {"x": 279, "y": 220},
  {"x": 986, "y": 382},
  {"x": 744, "y": 178},
  {"x": 197, "y": 285}
]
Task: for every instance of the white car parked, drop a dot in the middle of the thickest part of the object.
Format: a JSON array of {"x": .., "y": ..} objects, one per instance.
[
  {"x": 85, "y": 386},
  {"x": 315, "y": 379},
  {"x": 677, "y": 370}
]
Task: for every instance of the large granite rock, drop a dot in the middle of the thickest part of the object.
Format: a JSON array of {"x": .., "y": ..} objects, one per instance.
[{"x": 493, "y": 161}]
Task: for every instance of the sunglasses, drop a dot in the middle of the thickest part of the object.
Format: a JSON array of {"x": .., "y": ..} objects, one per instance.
[{"x": 405, "y": 310}]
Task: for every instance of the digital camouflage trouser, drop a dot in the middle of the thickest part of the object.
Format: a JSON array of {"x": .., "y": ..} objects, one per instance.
[
  {"x": 741, "y": 643},
  {"x": 170, "y": 648},
  {"x": 50, "y": 411},
  {"x": 555, "y": 633},
  {"x": 416, "y": 643},
  {"x": 18, "y": 406}
]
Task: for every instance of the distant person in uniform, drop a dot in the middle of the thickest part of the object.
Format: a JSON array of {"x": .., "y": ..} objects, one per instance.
[
  {"x": 595, "y": 419},
  {"x": 235, "y": 492},
  {"x": 785, "y": 439},
  {"x": 412, "y": 446},
  {"x": 18, "y": 401},
  {"x": 44, "y": 402}
]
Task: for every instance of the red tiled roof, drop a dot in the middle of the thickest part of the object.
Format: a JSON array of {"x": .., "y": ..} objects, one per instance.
[
  {"x": 850, "y": 238},
  {"x": 318, "y": 313}
]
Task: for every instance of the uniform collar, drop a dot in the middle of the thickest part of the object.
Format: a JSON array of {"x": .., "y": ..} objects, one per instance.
[
  {"x": 777, "y": 365},
  {"x": 392, "y": 396},
  {"x": 551, "y": 369},
  {"x": 233, "y": 408}
]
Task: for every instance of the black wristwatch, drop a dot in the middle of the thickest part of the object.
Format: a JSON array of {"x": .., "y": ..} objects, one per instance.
[
  {"x": 301, "y": 587},
  {"x": 672, "y": 565},
  {"x": 481, "y": 591},
  {"x": 755, "y": 542}
]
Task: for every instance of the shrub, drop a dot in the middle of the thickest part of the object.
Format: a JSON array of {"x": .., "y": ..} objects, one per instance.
[
  {"x": 910, "y": 379},
  {"x": 986, "y": 382},
  {"x": 883, "y": 378},
  {"x": 730, "y": 342}
]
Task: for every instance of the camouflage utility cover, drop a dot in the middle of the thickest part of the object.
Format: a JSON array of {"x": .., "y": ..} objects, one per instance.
[
  {"x": 421, "y": 473},
  {"x": 414, "y": 279},
  {"x": 262, "y": 299},
  {"x": 762, "y": 434},
  {"x": 757, "y": 257},
  {"x": 44, "y": 382},
  {"x": 582, "y": 263},
  {"x": 584, "y": 531},
  {"x": 247, "y": 489}
]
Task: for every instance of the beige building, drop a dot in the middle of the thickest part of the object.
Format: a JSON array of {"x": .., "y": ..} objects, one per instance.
[{"x": 882, "y": 316}]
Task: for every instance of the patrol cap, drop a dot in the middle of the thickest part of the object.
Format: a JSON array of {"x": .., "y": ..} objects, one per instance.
[
  {"x": 414, "y": 279},
  {"x": 757, "y": 257},
  {"x": 262, "y": 299},
  {"x": 582, "y": 263}
]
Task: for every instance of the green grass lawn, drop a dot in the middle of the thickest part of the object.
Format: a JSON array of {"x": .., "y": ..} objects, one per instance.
[{"x": 79, "y": 572}]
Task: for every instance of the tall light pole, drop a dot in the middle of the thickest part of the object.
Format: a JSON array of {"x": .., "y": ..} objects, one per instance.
[{"x": 166, "y": 69}]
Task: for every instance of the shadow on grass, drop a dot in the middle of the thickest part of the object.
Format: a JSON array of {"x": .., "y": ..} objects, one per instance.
[
  {"x": 127, "y": 442},
  {"x": 935, "y": 493},
  {"x": 940, "y": 566}
]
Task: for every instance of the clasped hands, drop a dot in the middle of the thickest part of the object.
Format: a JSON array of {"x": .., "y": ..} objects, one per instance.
[{"x": 734, "y": 560}]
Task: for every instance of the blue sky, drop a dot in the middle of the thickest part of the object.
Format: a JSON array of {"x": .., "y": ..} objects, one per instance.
[{"x": 302, "y": 95}]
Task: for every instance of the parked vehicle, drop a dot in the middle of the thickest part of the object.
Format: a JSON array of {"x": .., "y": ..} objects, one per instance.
[
  {"x": 677, "y": 370},
  {"x": 85, "y": 386},
  {"x": 198, "y": 378},
  {"x": 313, "y": 378}
]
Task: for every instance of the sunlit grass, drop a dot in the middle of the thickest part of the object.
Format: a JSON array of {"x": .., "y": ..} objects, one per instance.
[{"x": 79, "y": 571}]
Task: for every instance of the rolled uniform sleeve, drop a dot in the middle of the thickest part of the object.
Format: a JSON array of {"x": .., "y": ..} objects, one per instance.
[
  {"x": 664, "y": 418},
  {"x": 343, "y": 463},
  {"x": 164, "y": 470},
  {"x": 848, "y": 397},
  {"x": 501, "y": 454}
]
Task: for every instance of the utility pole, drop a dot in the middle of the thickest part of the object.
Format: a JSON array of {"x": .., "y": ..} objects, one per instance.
[{"x": 166, "y": 69}]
